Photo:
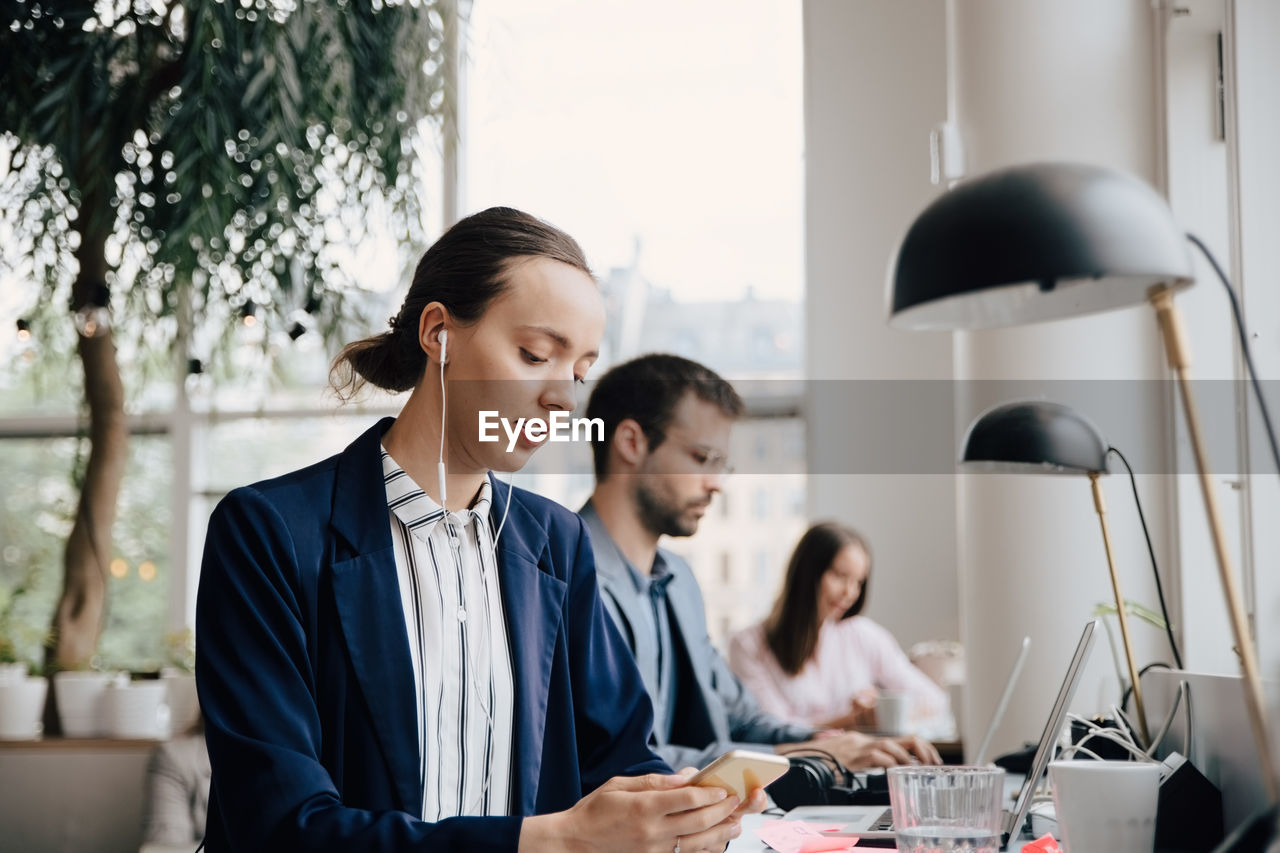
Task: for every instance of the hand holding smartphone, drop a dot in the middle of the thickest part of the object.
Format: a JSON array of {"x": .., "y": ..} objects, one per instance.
[{"x": 740, "y": 771}]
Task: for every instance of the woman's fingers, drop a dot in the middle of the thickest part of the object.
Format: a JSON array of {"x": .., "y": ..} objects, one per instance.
[
  {"x": 894, "y": 749},
  {"x": 647, "y": 782},
  {"x": 754, "y": 804},
  {"x": 701, "y": 819},
  {"x": 711, "y": 840},
  {"x": 687, "y": 798},
  {"x": 922, "y": 749}
]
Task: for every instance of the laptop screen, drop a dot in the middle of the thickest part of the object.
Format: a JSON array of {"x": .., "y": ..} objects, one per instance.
[
  {"x": 980, "y": 757},
  {"x": 1050, "y": 735}
]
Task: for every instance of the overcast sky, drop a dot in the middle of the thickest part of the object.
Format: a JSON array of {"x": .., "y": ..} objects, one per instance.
[{"x": 675, "y": 122}]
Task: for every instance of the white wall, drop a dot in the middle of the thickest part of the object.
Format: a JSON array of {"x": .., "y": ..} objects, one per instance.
[
  {"x": 1257, "y": 74},
  {"x": 875, "y": 84},
  {"x": 1034, "y": 82}
]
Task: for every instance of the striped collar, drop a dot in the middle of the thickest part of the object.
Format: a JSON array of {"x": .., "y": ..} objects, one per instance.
[{"x": 415, "y": 508}]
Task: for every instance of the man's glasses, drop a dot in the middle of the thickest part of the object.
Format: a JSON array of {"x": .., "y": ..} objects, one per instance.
[{"x": 708, "y": 459}]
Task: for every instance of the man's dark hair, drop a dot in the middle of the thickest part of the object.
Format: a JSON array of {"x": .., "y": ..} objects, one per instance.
[{"x": 647, "y": 389}]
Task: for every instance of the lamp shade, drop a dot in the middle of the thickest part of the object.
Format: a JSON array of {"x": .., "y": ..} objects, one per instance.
[
  {"x": 1035, "y": 242},
  {"x": 1035, "y": 437}
]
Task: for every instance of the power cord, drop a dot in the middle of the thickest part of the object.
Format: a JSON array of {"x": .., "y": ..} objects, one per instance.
[
  {"x": 1244, "y": 347},
  {"x": 848, "y": 775},
  {"x": 1097, "y": 732},
  {"x": 1155, "y": 568}
]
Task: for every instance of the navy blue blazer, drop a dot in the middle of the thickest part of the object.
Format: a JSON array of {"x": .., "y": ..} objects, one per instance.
[{"x": 305, "y": 679}]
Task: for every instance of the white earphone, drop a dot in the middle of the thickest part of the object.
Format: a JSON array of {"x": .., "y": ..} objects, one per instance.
[
  {"x": 440, "y": 470},
  {"x": 444, "y": 356}
]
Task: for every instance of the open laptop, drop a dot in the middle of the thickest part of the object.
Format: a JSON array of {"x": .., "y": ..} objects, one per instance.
[
  {"x": 997, "y": 716},
  {"x": 873, "y": 822}
]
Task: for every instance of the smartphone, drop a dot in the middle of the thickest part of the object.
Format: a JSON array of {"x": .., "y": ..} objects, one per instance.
[{"x": 739, "y": 771}]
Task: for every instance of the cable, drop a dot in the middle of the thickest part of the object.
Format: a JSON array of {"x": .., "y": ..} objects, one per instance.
[
  {"x": 440, "y": 470},
  {"x": 511, "y": 487},
  {"x": 1164, "y": 610},
  {"x": 1244, "y": 347},
  {"x": 1124, "y": 700},
  {"x": 813, "y": 750},
  {"x": 1113, "y": 735},
  {"x": 1074, "y": 748},
  {"x": 1181, "y": 696}
]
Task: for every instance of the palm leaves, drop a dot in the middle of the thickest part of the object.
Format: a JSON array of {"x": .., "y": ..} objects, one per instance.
[
  {"x": 194, "y": 156},
  {"x": 222, "y": 139}
]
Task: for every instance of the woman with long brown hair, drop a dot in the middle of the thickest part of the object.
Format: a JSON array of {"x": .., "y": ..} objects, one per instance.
[{"x": 816, "y": 660}]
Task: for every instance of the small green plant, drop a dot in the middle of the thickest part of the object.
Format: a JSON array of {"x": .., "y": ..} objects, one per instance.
[
  {"x": 180, "y": 650},
  {"x": 1146, "y": 614},
  {"x": 20, "y": 641},
  {"x": 1132, "y": 608}
]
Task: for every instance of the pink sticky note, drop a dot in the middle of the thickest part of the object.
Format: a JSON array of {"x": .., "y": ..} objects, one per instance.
[
  {"x": 1043, "y": 844},
  {"x": 797, "y": 836}
]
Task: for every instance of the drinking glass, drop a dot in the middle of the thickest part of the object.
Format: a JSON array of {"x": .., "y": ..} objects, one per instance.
[{"x": 943, "y": 809}]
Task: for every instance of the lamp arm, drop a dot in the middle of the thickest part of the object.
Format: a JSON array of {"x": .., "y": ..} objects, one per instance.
[
  {"x": 1171, "y": 330},
  {"x": 1100, "y": 504}
]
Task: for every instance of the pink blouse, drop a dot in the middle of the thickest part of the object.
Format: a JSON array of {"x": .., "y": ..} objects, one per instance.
[{"x": 852, "y": 655}]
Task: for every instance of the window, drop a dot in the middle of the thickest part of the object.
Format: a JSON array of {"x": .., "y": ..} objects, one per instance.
[
  {"x": 690, "y": 216},
  {"x": 36, "y": 514},
  {"x": 760, "y": 504},
  {"x": 675, "y": 156}
]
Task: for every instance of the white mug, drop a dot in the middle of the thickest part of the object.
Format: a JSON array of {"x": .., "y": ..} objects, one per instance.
[
  {"x": 892, "y": 712},
  {"x": 1106, "y": 806}
]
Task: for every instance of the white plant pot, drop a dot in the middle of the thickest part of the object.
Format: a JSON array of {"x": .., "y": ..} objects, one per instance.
[
  {"x": 21, "y": 707},
  {"x": 184, "y": 704},
  {"x": 12, "y": 672},
  {"x": 80, "y": 702},
  {"x": 137, "y": 709}
]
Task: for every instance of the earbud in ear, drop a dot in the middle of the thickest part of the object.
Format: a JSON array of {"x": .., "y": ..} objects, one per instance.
[{"x": 444, "y": 343}]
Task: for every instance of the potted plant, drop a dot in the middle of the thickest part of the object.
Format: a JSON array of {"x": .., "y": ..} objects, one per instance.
[{"x": 22, "y": 694}]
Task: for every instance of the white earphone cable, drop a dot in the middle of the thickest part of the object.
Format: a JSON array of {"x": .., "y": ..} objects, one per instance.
[{"x": 444, "y": 402}]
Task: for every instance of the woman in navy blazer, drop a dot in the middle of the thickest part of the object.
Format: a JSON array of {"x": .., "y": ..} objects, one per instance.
[{"x": 303, "y": 660}]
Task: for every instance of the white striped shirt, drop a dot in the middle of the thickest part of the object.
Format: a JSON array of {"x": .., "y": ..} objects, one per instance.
[{"x": 453, "y": 612}]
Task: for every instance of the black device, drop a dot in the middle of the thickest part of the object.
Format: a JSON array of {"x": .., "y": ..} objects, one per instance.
[
  {"x": 1189, "y": 809},
  {"x": 818, "y": 781},
  {"x": 1083, "y": 735}
]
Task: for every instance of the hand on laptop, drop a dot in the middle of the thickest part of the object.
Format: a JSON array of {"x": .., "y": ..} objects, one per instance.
[{"x": 858, "y": 751}]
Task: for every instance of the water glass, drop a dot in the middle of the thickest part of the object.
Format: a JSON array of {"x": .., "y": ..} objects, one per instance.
[{"x": 942, "y": 809}]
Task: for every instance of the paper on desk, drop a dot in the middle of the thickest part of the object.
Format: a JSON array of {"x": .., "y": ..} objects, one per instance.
[{"x": 798, "y": 836}]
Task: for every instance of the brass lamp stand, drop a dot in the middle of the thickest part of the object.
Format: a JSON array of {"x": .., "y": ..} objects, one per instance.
[
  {"x": 1101, "y": 506},
  {"x": 1174, "y": 336}
]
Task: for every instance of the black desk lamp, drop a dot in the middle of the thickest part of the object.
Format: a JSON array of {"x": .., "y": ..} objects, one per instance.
[
  {"x": 1051, "y": 240},
  {"x": 1049, "y": 438}
]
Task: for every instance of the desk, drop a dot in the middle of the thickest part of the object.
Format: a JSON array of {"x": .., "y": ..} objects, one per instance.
[{"x": 749, "y": 842}]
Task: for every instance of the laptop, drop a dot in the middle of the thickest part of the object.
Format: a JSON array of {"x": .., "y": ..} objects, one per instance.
[
  {"x": 980, "y": 757},
  {"x": 876, "y": 822}
]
